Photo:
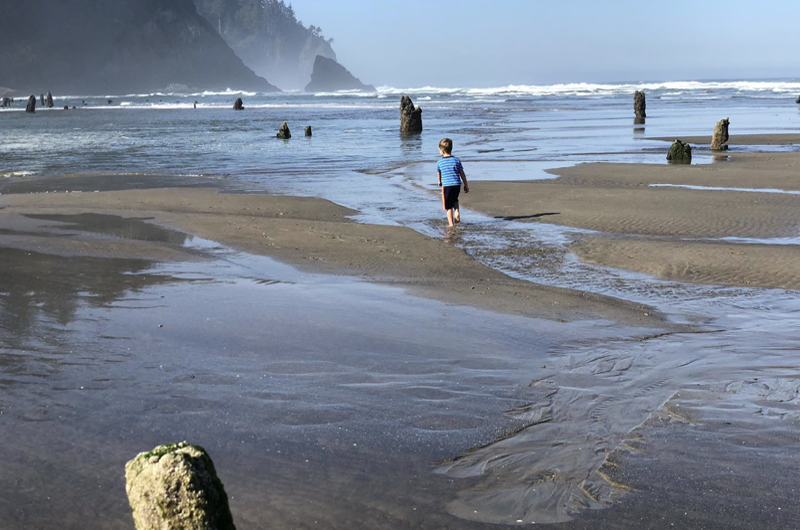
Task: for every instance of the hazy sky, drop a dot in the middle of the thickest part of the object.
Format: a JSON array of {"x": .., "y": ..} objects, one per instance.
[{"x": 471, "y": 43}]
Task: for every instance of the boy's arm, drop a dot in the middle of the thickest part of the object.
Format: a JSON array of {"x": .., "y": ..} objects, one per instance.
[
  {"x": 440, "y": 179},
  {"x": 464, "y": 180}
]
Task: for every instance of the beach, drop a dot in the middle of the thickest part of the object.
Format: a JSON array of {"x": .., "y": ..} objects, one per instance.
[
  {"x": 606, "y": 340},
  {"x": 139, "y": 295},
  {"x": 731, "y": 223},
  {"x": 316, "y": 235}
]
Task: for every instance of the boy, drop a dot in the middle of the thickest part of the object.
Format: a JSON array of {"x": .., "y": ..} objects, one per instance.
[{"x": 451, "y": 175}]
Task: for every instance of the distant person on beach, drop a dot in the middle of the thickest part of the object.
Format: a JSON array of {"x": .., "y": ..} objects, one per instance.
[{"x": 451, "y": 176}]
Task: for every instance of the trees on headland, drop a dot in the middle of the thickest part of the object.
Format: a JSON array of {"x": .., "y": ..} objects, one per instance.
[{"x": 267, "y": 35}]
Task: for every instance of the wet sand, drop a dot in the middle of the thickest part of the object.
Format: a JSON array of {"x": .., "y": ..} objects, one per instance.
[
  {"x": 324, "y": 400},
  {"x": 317, "y": 235},
  {"x": 330, "y": 401},
  {"x": 705, "y": 236}
]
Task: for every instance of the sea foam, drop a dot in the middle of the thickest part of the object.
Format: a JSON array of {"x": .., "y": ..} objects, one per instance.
[{"x": 664, "y": 89}]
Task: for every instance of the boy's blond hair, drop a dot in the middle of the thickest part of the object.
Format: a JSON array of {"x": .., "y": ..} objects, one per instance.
[{"x": 446, "y": 145}]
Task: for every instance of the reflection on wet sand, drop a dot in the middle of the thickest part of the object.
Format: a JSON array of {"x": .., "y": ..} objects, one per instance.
[
  {"x": 297, "y": 398},
  {"x": 40, "y": 293},
  {"x": 113, "y": 225}
]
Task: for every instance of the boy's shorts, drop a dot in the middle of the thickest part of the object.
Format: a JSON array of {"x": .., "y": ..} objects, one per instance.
[{"x": 451, "y": 194}]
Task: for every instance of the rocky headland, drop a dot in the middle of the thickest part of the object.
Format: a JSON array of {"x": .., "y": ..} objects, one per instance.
[
  {"x": 269, "y": 38},
  {"x": 116, "y": 46},
  {"x": 330, "y": 76}
]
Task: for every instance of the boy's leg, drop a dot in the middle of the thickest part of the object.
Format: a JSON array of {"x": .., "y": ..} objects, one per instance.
[
  {"x": 444, "y": 203},
  {"x": 456, "y": 214},
  {"x": 450, "y": 217}
]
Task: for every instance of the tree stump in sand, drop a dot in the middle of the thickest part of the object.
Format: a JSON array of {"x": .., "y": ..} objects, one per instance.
[
  {"x": 639, "y": 104},
  {"x": 175, "y": 486},
  {"x": 720, "y": 135},
  {"x": 680, "y": 153},
  {"x": 284, "y": 133},
  {"x": 238, "y": 104},
  {"x": 308, "y": 131},
  {"x": 410, "y": 117}
]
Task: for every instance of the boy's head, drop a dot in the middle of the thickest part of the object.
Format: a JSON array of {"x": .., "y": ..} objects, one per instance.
[{"x": 446, "y": 146}]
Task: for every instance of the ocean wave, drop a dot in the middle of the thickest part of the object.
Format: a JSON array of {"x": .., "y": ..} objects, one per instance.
[
  {"x": 345, "y": 93},
  {"x": 147, "y": 95},
  {"x": 688, "y": 88}
]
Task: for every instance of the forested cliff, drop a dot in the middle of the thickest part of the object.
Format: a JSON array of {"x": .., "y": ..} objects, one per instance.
[
  {"x": 115, "y": 46},
  {"x": 268, "y": 37}
]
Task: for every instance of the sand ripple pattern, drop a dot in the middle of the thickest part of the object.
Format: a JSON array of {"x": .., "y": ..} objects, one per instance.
[{"x": 594, "y": 399}]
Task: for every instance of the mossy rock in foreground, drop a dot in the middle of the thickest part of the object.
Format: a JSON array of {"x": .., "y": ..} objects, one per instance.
[
  {"x": 175, "y": 487},
  {"x": 680, "y": 153}
]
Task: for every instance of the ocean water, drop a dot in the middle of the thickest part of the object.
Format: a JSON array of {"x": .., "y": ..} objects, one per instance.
[{"x": 163, "y": 133}]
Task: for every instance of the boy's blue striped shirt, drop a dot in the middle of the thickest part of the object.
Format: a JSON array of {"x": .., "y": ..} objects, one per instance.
[{"x": 450, "y": 167}]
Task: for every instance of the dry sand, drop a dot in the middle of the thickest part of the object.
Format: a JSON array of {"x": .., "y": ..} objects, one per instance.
[
  {"x": 317, "y": 235},
  {"x": 648, "y": 229}
]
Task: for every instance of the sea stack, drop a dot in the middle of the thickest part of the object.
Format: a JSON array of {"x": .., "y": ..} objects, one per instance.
[
  {"x": 238, "y": 105},
  {"x": 330, "y": 76},
  {"x": 798, "y": 100},
  {"x": 284, "y": 133},
  {"x": 41, "y": 99},
  {"x": 639, "y": 104},
  {"x": 31, "y": 104},
  {"x": 49, "y": 100},
  {"x": 718, "y": 141},
  {"x": 308, "y": 130},
  {"x": 176, "y": 486},
  {"x": 6, "y": 102},
  {"x": 680, "y": 153},
  {"x": 410, "y": 117}
]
